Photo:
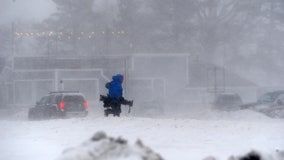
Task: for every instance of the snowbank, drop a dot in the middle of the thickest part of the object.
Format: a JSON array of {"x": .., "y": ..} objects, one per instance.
[{"x": 102, "y": 147}]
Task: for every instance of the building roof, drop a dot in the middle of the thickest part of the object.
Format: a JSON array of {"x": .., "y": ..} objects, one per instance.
[{"x": 208, "y": 75}]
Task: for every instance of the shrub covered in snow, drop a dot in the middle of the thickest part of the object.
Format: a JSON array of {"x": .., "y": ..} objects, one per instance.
[{"x": 253, "y": 155}]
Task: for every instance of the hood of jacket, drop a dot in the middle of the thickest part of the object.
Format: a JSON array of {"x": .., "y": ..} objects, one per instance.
[{"x": 118, "y": 78}]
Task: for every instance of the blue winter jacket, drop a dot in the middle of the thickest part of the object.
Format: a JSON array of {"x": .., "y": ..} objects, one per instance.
[{"x": 115, "y": 86}]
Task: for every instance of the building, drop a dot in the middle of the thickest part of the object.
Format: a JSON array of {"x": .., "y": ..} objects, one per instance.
[{"x": 147, "y": 76}]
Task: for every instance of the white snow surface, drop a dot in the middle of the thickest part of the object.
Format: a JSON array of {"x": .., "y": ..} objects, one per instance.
[{"x": 192, "y": 135}]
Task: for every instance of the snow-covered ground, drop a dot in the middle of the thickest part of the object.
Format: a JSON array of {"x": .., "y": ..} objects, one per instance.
[{"x": 193, "y": 135}]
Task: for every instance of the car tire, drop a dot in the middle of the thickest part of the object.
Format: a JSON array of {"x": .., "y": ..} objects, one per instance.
[
  {"x": 48, "y": 114},
  {"x": 35, "y": 114},
  {"x": 86, "y": 114}
]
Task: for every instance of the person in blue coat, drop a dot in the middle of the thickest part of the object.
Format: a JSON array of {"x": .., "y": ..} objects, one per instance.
[
  {"x": 115, "y": 98},
  {"x": 115, "y": 87}
]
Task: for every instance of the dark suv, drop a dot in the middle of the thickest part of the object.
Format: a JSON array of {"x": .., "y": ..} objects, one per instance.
[{"x": 59, "y": 104}]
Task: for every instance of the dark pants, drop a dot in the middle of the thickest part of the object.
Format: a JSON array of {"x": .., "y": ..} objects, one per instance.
[{"x": 113, "y": 105}]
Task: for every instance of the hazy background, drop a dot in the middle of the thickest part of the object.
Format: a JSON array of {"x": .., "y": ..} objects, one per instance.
[
  {"x": 25, "y": 10},
  {"x": 176, "y": 55},
  {"x": 242, "y": 39}
]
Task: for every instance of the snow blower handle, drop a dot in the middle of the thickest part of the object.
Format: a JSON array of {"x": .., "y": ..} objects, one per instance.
[
  {"x": 129, "y": 109},
  {"x": 130, "y": 105}
]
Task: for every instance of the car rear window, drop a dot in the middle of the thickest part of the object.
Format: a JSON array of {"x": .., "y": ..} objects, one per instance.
[
  {"x": 74, "y": 98},
  {"x": 44, "y": 100},
  {"x": 52, "y": 99}
]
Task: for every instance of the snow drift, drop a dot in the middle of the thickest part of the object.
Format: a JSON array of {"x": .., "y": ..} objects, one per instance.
[{"x": 102, "y": 147}]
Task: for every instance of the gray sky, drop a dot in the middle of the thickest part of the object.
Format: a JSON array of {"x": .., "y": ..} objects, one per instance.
[{"x": 25, "y": 10}]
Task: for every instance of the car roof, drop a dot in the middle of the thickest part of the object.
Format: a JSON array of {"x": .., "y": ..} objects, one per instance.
[
  {"x": 70, "y": 93},
  {"x": 60, "y": 92},
  {"x": 276, "y": 92}
]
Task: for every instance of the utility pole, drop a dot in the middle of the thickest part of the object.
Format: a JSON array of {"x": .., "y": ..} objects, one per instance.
[
  {"x": 224, "y": 68},
  {"x": 215, "y": 80},
  {"x": 12, "y": 57},
  {"x": 13, "y": 38},
  {"x": 108, "y": 27},
  {"x": 125, "y": 76},
  {"x": 107, "y": 40}
]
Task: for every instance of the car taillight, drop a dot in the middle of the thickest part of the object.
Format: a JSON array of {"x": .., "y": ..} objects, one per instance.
[
  {"x": 61, "y": 105},
  {"x": 86, "y": 104}
]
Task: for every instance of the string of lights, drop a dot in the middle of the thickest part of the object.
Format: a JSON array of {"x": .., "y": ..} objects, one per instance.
[{"x": 67, "y": 35}]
